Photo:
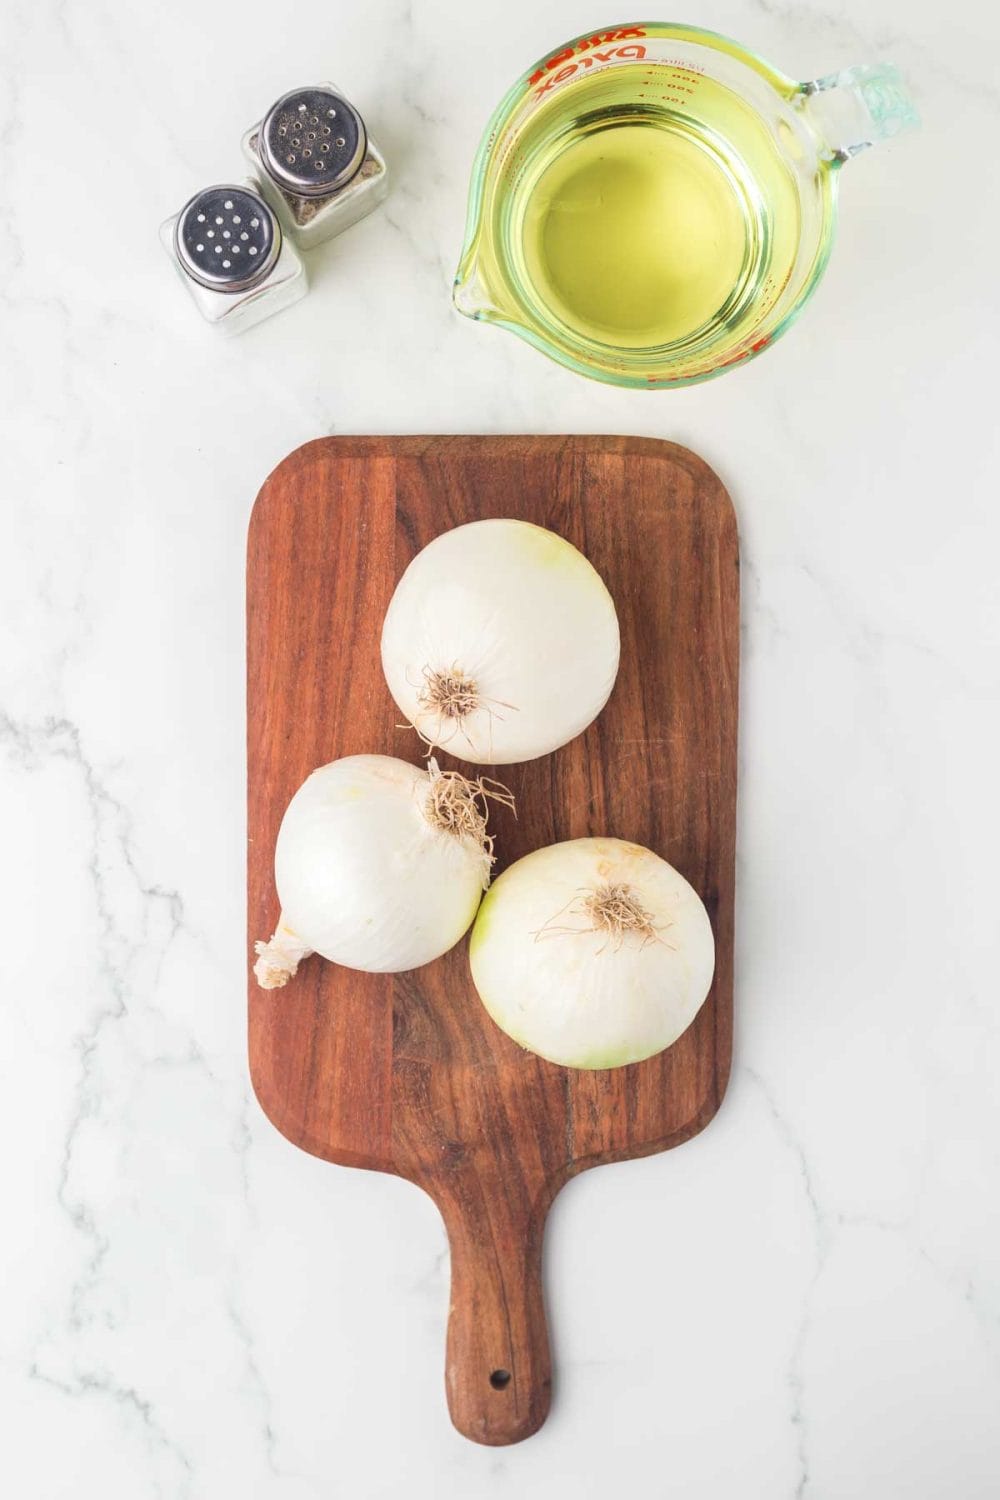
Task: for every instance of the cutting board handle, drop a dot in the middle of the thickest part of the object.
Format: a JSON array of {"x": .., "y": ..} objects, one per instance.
[{"x": 498, "y": 1371}]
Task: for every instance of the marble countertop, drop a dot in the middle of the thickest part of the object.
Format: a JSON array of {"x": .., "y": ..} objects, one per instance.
[{"x": 805, "y": 1300}]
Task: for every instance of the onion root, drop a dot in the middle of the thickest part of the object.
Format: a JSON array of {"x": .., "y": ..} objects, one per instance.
[
  {"x": 613, "y": 908},
  {"x": 458, "y": 805},
  {"x": 451, "y": 695}
]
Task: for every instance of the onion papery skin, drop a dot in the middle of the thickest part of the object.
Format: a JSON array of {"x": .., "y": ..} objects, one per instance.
[
  {"x": 362, "y": 876},
  {"x": 585, "y": 998},
  {"x": 519, "y": 612}
]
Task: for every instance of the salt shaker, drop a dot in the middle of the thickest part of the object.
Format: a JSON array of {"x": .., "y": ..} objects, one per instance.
[
  {"x": 230, "y": 252},
  {"x": 318, "y": 167}
]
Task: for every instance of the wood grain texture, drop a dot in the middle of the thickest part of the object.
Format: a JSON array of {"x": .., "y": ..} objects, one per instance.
[{"x": 407, "y": 1073}]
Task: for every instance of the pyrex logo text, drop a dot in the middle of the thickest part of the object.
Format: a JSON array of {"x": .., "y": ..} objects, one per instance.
[{"x": 569, "y": 62}]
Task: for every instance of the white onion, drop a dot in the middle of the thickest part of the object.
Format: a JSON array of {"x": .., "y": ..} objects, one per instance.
[
  {"x": 366, "y": 873},
  {"x": 501, "y": 642},
  {"x": 592, "y": 953}
]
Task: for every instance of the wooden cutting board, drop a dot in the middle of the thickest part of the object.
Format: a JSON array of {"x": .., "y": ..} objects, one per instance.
[{"x": 406, "y": 1073}]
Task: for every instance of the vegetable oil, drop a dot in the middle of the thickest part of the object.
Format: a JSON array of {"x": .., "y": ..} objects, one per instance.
[
  {"x": 633, "y": 222},
  {"x": 652, "y": 204}
]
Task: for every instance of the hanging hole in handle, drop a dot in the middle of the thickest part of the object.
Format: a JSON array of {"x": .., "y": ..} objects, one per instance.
[{"x": 500, "y": 1380}]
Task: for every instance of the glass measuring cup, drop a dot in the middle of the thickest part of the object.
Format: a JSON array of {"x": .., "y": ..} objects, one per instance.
[{"x": 652, "y": 204}]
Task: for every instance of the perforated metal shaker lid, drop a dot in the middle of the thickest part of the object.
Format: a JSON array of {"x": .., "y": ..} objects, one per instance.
[
  {"x": 227, "y": 238},
  {"x": 312, "y": 142}
]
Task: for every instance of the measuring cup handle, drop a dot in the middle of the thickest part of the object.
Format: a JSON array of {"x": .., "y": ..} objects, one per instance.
[{"x": 858, "y": 107}]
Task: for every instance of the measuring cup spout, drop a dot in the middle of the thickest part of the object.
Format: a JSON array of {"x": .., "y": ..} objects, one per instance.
[
  {"x": 471, "y": 295},
  {"x": 857, "y": 108}
]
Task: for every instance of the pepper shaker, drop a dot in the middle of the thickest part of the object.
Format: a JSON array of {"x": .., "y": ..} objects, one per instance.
[
  {"x": 230, "y": 252},
  {"x": 318, "y": 167}
]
